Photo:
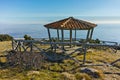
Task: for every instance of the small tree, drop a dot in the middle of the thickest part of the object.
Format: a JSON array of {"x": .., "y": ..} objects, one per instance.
[
  {"x": 97, "y": 41},
  {"x": 26, "y": 37},
  {"x": 5, "y": 37}
]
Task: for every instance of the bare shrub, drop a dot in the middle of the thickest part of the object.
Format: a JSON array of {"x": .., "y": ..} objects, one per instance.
[{"x": 25, "y": 59}]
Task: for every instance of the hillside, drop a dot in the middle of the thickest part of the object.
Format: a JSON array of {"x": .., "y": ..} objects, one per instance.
[{"x": 97, "y": 59}]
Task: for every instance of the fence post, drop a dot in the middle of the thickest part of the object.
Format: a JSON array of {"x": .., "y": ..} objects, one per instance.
[
  {"x": 12, "y": 44},
  {"x": 31, "y": 46},
  {"x": 19, "y": 44},
  {"x": 85, "y": 51}
]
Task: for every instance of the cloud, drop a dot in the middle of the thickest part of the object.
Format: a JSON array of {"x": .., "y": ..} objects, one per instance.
[
  {"x": 48, "y": 19},
  {"x": 107, "y": 22}
]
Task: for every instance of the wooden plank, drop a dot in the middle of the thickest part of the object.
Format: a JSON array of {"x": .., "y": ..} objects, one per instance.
[{"x": 37, "y": 47}]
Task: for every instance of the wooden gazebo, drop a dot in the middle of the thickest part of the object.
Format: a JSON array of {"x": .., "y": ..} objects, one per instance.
[{"x": 71, "y": 24}]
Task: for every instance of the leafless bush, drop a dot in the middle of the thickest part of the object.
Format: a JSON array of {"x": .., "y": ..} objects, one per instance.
[{"x": 26, "y": 60}]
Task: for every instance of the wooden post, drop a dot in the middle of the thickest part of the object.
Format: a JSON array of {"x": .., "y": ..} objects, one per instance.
[
  {"x": 75, "y": 34},
  {"x": 19, "y": 46},
  {"x": 62, "y": 37},
  {"x": 88, "y": 33},
  {"x": 12, "y": 44},
  {"x": 49, "y": 36},
  {"x": 70, "y": 37},
  {"x": 58, "y": 35},
  {"x": 91, "y": 33},
  {"x": 31, "y": 46}
]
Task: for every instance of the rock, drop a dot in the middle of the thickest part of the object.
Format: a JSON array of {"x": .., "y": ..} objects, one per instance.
[{"x": 92, "y": 72}]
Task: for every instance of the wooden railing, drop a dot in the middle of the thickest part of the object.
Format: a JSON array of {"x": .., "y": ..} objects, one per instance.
[{"x": 29, "y": 45}]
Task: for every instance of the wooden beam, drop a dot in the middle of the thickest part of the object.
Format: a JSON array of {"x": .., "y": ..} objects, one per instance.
[
  {"x": 88, "y": 33},
  {"x": 91, "y": 33},
  {"x": 70, "y": 37},
  {"x": 58, "y": 35}
]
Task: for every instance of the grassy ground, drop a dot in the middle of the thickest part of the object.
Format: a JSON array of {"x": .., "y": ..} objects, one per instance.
[
  {"x": 5, "y": 46},
  {"x": 67, "y": 69}
]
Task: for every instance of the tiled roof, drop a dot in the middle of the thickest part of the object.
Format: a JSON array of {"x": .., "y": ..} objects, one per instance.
[{"x": 71, "y": 23}]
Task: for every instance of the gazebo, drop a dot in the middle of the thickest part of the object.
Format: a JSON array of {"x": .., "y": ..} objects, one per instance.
[{"x": 71, "y": 24}]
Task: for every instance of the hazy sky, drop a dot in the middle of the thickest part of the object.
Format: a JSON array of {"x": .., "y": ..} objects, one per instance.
[{"x": 43, "y": 11}]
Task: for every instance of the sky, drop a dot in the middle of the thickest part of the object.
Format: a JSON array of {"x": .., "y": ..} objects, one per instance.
[{"x": 44, "y": 11}]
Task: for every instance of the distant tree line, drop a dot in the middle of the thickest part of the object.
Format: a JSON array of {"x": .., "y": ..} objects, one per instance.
[{"x": 5, "y": 37}]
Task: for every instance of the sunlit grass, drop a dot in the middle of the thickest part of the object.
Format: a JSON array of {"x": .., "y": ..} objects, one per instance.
[
  {"x": 61, "y": 70},
  {"x": 5, "y": 46}
]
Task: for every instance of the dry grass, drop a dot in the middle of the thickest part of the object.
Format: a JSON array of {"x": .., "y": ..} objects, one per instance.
[
  {"x": 52, "y": 71},
  {"x": 5, "y": 46},
  {"x": 103, "y": 56},
  {"x": 82, "y": 76}
]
